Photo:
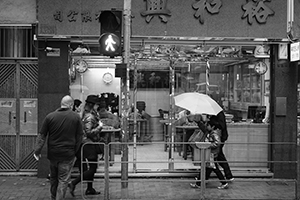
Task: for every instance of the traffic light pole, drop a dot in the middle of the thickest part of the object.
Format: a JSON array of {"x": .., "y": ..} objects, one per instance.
[{"x": 125, "y": 88}]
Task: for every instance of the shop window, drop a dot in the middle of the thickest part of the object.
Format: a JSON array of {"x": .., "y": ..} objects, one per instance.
[
  {"x": 246, "y": 84},
  {"x": 17, "y": 41}
]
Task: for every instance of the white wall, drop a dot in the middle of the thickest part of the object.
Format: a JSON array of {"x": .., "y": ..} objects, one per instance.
[{"x": 91, "y": 82}]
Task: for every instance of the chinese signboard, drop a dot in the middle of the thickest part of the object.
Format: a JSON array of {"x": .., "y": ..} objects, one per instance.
[{"x": 176, "y": 18}]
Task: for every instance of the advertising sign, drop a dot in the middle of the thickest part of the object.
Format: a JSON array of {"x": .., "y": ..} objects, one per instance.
[{"x": 295, "y": 51}]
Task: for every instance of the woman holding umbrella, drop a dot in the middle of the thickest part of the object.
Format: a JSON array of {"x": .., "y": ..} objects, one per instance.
[{"x": 213, "y": 135}]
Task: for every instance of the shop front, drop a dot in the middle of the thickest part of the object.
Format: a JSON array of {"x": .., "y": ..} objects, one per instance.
[{"x": 234, "y": 51}]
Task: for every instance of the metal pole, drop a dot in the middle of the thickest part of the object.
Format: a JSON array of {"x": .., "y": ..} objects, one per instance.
[
  {"x": 18, "y": 114},
  {"x": 125, "y": 94},
  {"x": 203, "y": 169},
  {"x": 135, "y": 115},
  {"x": 171, "y": 114},
  {"x": 207, "y": 76},
  {"x": 106, "y": 170}
]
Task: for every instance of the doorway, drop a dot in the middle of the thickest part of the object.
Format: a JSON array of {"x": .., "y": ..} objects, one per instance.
[{"x": 18, "y": 114}]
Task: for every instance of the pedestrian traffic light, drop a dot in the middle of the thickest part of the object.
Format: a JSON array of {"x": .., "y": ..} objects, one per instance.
[{"x": 111, "y": 33}]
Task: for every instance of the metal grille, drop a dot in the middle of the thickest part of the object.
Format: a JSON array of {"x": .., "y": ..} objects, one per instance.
[
  {"x": 26, "y": 145},
  {"x": 8, "y": 152},
  {"x": 26, "y": 71},
  {"x": 29, "y": 80},
  {"x": 7, "y": 80}
]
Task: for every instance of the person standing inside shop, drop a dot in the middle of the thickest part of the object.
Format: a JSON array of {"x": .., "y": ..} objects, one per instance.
[
  {"x": 221, "y": 156},
  {"x": 63, "y": 129},
  {"x": 92, "y": 128}
]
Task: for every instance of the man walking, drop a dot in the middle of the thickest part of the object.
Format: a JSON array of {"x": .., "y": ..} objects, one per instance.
[
  {"x": 64, "y": 131},
  {"x": 221, "y": 156}
]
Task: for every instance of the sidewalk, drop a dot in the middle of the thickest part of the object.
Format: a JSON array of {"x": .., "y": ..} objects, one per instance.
[{"x": 32, "y": 188}]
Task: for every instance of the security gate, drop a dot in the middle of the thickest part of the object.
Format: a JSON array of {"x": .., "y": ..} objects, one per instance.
[{"x": 18, "y": 114}]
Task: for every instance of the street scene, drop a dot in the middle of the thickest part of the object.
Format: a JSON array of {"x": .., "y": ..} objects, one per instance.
[{"x": 153, "y": 99}]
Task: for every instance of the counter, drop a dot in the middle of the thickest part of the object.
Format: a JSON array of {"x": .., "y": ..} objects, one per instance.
[
  {"x": 242, "y": 144},
  {"x": 247, "y": 144}
]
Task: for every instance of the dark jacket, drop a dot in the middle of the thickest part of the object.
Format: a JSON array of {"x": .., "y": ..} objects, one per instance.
[
  {"x": 92, "y": 132},
  {"x": 64, "y": 130},
  {"x": 222, "y": 121},
  {"x": 91, "y": 127}
]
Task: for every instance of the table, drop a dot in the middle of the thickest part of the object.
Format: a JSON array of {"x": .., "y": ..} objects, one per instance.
[
  {"x": 184, "y": 139},
  {"x": 109, "y": 136},
  {"x": 141, "y": 127}
]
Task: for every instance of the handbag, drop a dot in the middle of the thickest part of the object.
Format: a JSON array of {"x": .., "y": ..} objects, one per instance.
[{"x": 197, "y": 136}]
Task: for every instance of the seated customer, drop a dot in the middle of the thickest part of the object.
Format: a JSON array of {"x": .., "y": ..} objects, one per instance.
[{"x": 106, "y": 117}]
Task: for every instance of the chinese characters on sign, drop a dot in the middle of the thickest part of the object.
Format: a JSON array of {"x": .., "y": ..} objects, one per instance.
[
  {"x": 212, "y": 6},
  {"x": 156, "y": 7},
  {"x": 74, "y": 15},
  {"x": 257, "y": 9},
  {"x": 253, "y": 9}
]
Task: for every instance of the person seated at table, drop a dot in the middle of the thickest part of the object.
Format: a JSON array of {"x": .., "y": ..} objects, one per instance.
[
  {"x": 106, "y": 117},
  {"x": 214, "y": 137}
]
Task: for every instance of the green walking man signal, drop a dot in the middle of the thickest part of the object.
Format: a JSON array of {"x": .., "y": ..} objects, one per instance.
[{"x": 111, "y": 33}]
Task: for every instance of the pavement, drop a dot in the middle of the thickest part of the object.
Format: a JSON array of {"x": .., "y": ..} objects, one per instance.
[{"x": 20, "y": 187}]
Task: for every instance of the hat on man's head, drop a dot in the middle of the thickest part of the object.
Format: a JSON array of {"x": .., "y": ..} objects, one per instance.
[{"x": 92, "y": 99}]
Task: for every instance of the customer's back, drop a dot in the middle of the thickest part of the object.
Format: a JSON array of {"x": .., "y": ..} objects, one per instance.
[{"x": 64, "y": 131}]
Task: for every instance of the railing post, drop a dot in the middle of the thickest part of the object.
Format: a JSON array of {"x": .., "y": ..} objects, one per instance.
[
  {"x": 106, "y": 171},
  {"x": 203, "y": 171},
  {"x": 203, "y": 146}
]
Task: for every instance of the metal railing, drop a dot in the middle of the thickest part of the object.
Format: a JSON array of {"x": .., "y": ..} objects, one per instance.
[{"x": 203, "y": 190}]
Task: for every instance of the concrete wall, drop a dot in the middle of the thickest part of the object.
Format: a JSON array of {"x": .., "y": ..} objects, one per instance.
[
  {"x": 53, "y": 84},
  {"x": 18, "y": 12},
  {"x": 283, "y": 116}
]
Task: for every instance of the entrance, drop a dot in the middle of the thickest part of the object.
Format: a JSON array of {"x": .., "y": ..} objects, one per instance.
[
  {"x": 18, "y": 114},
  {"x": 234, "y": 76}
]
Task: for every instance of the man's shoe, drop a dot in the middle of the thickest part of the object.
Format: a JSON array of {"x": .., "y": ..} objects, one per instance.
[
  {"x": 194, "y": 185},
  {"x": 91, "y": 192},
  {"x": 223, "y": 186},
  {"x": 71, "y": 187}
]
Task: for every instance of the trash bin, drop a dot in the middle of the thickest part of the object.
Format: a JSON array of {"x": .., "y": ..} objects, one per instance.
[{"x": 197, "y": 153}]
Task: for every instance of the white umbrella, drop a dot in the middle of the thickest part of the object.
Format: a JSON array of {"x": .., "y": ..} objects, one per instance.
[{"x": 197, "y": 103}]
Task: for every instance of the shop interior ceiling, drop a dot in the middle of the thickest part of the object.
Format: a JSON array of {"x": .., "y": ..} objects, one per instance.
[{"x": 150, "y": 56}]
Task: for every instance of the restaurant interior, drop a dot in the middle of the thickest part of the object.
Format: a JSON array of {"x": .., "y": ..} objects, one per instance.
[{"x": 237, "y": 77}]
